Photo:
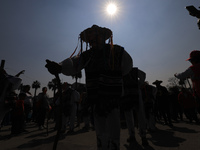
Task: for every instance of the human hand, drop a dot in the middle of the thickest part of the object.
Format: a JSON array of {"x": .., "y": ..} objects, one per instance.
[
  {"x": 53, "y": 67},
  {"x": 175, "y": 74}
]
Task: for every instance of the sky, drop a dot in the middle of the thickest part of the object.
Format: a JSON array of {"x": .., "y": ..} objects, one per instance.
[{"x": 158, "y": 34}]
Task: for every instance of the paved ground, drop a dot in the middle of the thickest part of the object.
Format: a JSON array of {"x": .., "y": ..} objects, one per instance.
[{"x": 183, "y": 136}]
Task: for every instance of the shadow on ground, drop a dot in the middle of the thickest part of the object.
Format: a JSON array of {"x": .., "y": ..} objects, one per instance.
[{"x": 166, "y": 138}]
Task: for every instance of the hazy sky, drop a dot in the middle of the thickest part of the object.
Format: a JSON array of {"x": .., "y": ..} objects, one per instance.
[{"x": 158, "y": 34}]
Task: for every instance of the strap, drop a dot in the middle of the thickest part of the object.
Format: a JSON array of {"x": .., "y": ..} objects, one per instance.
[{"x": 75, "y": 50}]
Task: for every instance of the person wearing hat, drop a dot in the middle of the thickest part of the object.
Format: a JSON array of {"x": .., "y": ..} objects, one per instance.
[
  {"x": 105, "y": 65},
  {"x": 193, "y": 72},
  {"x": 162, "y": 102}
]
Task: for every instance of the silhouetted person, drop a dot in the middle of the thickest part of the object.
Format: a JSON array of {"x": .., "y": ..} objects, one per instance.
[
  {"x": 43, "y": 107},
  {"x": 28, "y": 103},
  {"x": 187, "y": 101},
  {"x": 17, "y": 116},
  {"x": 104, "y": 65},
  {"x": 163, "y": 103},
  {"x": 193, "y": 72},
  {"x": 132, "y": 101}
]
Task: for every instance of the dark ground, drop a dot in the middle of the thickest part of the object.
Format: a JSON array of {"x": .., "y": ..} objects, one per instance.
[{"x": 182, "y": 136}]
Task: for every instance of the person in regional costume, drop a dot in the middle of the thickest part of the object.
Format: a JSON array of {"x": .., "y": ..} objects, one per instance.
[
  {"x": 105, "y": 64},
  {"x": 149, "y": 95},
  {"x": 193, "y": 72},
  {"x": 132, "y": 101},
  {"x": 163, "y": 103}
]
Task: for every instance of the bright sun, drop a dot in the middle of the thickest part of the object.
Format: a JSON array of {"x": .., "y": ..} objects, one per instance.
[{"x": 111, "y": 9}]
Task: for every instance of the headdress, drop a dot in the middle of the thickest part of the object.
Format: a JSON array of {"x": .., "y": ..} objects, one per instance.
[{"x": 95, "y": 30}]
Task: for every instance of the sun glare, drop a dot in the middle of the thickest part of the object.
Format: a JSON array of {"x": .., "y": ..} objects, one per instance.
[{"x": 111, "y": 8}]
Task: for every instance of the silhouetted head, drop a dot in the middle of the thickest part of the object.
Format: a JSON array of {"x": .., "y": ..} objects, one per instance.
[
  {"x": 96, "y": 36},
  {"x": 194, "y": 56}
]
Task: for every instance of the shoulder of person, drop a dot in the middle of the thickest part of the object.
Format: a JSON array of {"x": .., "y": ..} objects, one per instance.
[{"x": 118, "y": 47}]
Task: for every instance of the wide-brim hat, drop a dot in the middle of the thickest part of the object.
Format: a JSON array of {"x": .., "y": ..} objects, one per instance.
[
  {"x": 157, "y": 82},
  {"x": 95, "y": 30},
  {"x": 195, "y": 54}
]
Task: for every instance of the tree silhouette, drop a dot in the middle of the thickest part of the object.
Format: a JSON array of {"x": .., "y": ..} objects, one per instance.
[
  {"x": 53, "y": 84},
  {"x": 35, "y": 85},
  {"x": 173, "y": 82}
]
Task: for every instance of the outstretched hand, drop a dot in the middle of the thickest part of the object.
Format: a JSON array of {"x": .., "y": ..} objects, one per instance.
[
  {"x": 53, "y": 67},
  {"x": 21, "y": 72},
  {"x": 175, "y": 75}
]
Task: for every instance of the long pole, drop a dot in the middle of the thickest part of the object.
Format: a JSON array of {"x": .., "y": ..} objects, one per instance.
[{"x": 60, "y": 113}]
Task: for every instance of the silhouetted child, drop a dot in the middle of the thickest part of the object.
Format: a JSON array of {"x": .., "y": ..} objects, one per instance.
[{"x": 18, "y": 115}]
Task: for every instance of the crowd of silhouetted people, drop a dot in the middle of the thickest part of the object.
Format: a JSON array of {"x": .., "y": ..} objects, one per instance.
[
  {"x": 161, "y": 105},
  {"x": 115, "y": 90}
]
